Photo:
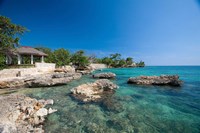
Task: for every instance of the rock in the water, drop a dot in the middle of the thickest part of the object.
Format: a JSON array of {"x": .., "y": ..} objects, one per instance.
[
  {"x": 50, "y": 111},
  {"x": 94, "y": 91},
  {"x": 108, "y": 75},
  {"x": 53, "y": 79},
  {"x": 49, "y": 101},
  {"x": 171, "y": 80},
  {"x": 42, "y": 112},
  {"x": 113, "y": 105}
]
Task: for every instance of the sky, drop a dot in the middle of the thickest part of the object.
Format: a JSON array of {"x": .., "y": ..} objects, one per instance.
[{"x": 159, "y": 32}]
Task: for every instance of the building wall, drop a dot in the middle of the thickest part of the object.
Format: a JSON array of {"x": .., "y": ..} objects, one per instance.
[
  {"x": 40, "y": 68},
  {"x": 98, "y": 66}
]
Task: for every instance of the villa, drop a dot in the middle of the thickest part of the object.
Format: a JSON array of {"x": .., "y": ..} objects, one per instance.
[{"x": 24, "y": 51}]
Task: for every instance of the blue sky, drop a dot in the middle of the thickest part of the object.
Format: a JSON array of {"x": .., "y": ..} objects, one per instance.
[{"x": 160, "y": 32}]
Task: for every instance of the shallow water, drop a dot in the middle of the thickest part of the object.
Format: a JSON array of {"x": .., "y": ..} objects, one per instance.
[{"x": 132, "y": 109}]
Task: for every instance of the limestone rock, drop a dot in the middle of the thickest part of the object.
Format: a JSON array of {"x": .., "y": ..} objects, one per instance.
[
  {"x": 94, "y": 91},
  {"x": 50, "y": 111},
  {"x": 44, "y": 80},
  {"x": 171, "y": 80},
  {"x": 19, "y": 113},
  {"x": 98, "y": 66},
  {"x": 7, "y": 128},
  {"x": 49, "y": 101},
  {"x": 42, "y": 112},
  {"x": 53, "y": 79},
  {"x": 65, "y": 69},
  {"x": 108, "y": 75}
]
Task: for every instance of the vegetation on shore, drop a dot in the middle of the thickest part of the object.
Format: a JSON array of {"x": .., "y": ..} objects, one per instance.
[
  {"x": 10, "y": 34},
  {"x": 79, "y": 59}
]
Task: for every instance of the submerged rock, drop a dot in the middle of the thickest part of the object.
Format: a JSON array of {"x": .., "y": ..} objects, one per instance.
[
  {"x": 112, "y": 105},
  {"x": 94, "y": 91},
  {"x": 171, "y": 80},
  {"x": 108, "y": 75}
]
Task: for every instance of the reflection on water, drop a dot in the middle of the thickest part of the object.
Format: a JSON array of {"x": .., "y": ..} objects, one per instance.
[{"x": 132, "y": 109}]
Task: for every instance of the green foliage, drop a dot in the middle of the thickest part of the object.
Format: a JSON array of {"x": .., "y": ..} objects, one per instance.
[
  {"x": 50, "y": 58},
  {"x": 26, "y": 59},
  {"x": 79, "y": 59},
  {"x": 2, "y": 61},
  {"x": 129, "y": 61},
  {"x": 115, "y": 60},
  {"x": 61, "y": 57},
  {"x": 108, "y": 61},
  {"x": 97, "y": 60},
  {"x": 9, "y": 34},
  {"x": 140, "y": 64},
  {"x": 122, "y": 63},
  {"x": 115, "y": 57}
]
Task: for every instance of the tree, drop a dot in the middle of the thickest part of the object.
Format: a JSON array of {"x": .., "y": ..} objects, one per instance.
[
  {"x": 9, "y": 34},
  {"x": 98, "y": 60},
  {"x": 140, "y": 64},
  {"x": 122, "y": 63},
  {"x": 108, "y": 61},
  {"x": 2, "y": 61},
  {"x": 48, "y": 51},
  {"x": 129, "y": 61},
  {"x": 61, "y": 57},
  {"x": 115, "y": 57},
  {"x": 79, "y": 59}
]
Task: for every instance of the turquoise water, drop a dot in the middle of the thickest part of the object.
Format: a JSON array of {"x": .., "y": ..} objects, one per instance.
[{"x": 132, "y": 109}]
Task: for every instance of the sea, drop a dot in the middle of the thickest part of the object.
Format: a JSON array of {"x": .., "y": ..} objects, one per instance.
[{"x": 132, "y": 108}]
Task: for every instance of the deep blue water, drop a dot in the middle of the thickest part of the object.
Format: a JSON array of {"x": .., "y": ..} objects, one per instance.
[{"x": 133, "y": 108}]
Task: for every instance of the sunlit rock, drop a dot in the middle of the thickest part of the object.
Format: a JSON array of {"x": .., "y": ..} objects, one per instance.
[
  {"x": 156, "y": 80},
  {"x": 94, "y": 91},
  {"x": 108, "y": 75}
]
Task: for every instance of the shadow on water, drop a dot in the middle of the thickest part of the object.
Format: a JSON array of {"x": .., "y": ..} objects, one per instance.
[{"x": 107, "y": 104}]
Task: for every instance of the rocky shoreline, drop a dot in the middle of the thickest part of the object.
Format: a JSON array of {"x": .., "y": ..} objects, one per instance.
[
  {"x": 170, "y": 80},
  {"x": 40, "y": 80},
  {"x": 23, "y": 114},
  {"x": 19, "y": 113}
]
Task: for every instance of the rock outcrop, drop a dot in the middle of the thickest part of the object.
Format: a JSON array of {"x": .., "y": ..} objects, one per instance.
[
  {"x": 171, "y": 80},
  {"x": 84, "y": 72},
  {"x": 96, "y": 66},
  {"x": 42, "y": 80},
  {"x": 108, "y": 75},
  {"x": 94, "y": 92},
  {"x": 65, "y": 69},
  {"x": 22, "y": 114},
  {"x": 52, "y": 79}
]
